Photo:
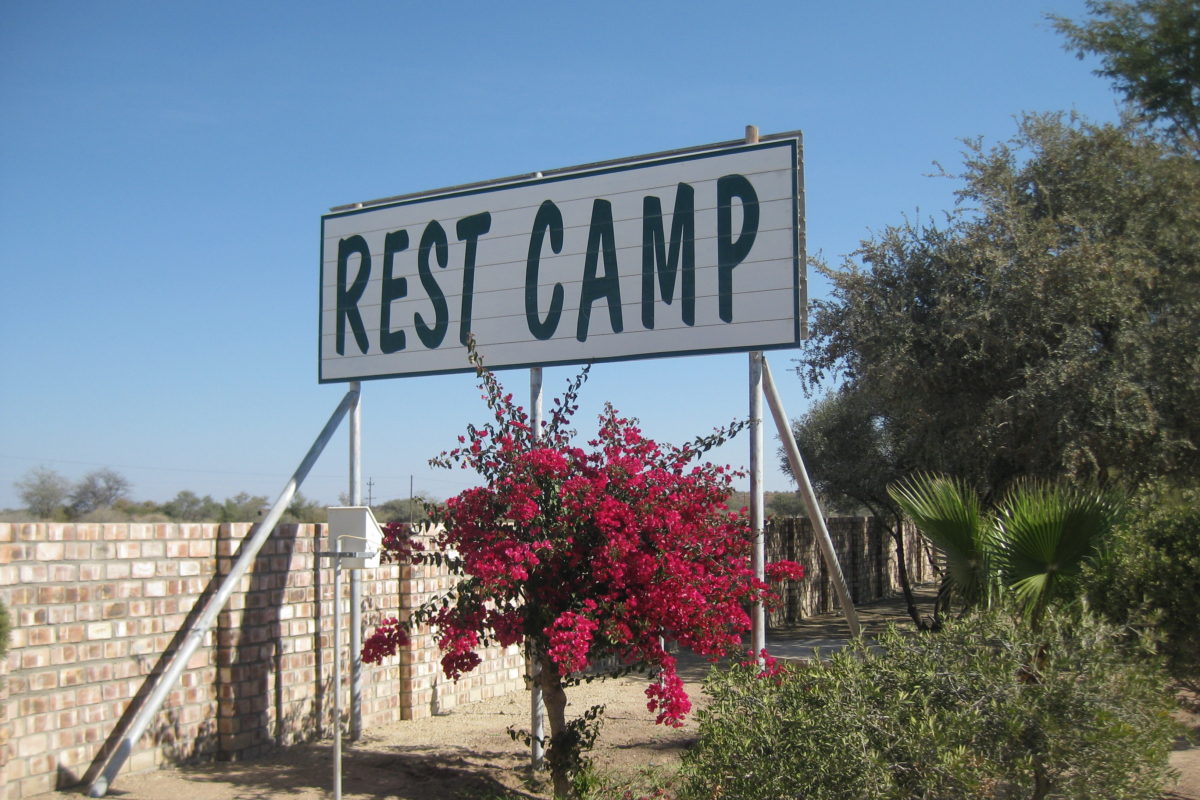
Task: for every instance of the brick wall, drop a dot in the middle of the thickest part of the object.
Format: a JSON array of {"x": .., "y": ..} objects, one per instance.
[
  {"x": 867, "y": 555},
  {"x": 424, "y": 688},
  {"x": 96, "y": 607}
]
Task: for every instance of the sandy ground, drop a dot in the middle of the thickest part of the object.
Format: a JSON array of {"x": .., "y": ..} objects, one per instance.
[
  {"x": 469, "y": 754},
  {"x": 465, "y": 754}
]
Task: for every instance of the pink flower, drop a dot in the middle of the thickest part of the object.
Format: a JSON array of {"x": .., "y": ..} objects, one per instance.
[
  {"x": 669, "y": 699},
  {"x": 784, "y": 570}
]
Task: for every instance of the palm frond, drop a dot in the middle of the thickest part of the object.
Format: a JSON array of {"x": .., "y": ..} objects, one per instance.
[
  {"x": 1046, "y": 532},
  {"x": 949, "y": 514}
]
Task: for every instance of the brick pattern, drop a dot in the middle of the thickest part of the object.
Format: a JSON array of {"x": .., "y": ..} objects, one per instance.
[
  {"x": 94, "y": 609},
  {"x": 865, "y": 551},
  {"x": 424, "y": 688}
]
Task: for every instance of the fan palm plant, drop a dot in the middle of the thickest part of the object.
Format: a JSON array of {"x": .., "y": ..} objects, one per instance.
[
  {"x": 950, "y": 515},
  {"x": 1046, "y": 532},
  {"x": 1033, "y": 544}
]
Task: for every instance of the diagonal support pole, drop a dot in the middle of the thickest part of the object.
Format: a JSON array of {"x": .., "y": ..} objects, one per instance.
[
  {"x": 783, "y": 426},
  {"x": 246, "y": 555}
]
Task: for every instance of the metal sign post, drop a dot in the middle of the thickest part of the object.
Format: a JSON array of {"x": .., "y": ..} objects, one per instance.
[
  {"x": 357, "y": 525},
  {"x": 337, "y": 557},
  {"x": 758, "y": 560},
  {"x": 356, "y": 574},
  {"x": 537, "y": 706},
  {"x": 195, "y": 635}
]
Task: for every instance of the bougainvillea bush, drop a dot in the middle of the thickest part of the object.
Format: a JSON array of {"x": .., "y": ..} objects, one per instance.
[{"x": 582, "y": 554}]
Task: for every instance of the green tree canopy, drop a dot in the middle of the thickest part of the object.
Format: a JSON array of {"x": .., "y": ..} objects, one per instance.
[
  {"x": 1050, "y": 327},
  {"x": 405, "y": 509},
  {"x": 243, "y": 507},
  {"x": 304, "y": 510},
  {"x": 1150, "y": 49},
  {"x": 847, "y": 453},
  {"x": 187, "y": 506}
]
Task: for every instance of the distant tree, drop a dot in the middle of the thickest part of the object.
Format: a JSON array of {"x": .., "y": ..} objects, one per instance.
[
  {"x": 100, "y": 488},
  {"x": 785, "y": 504},
  {"x": 242, "y": 507},
  {"x": 5, "y": 629},
  {"x": 1150, "y": 49},
  {"x": 189, "y": 507},
  {"x": 405, "y": 509},
  {"x": 43, "y": 491},
  {"x": 126, "y": 510},
  {"x": 846, "y": 451},
  {"x": 303, "y": 510},
  {"x": 141, "y": 510},
  {"x": 738, "y": 500}
]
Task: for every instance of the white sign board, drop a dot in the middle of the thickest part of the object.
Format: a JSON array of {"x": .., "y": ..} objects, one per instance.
[{"x": 690, "y": 252}]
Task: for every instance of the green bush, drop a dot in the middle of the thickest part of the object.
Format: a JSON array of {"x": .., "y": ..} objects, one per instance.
[
  {"x": 984, "y": 709},
  {"x": 1149, "y": 577}
]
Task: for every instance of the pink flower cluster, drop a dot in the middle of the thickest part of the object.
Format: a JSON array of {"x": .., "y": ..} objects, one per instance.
[
  {"x": 388, "y": 637},
  {"x": 784, "y": 571},
  {"x": 586, "y": 554},
  {"x": 768, "y": 665},
  {"x": 570, "y": 640},
  {"x": 667, "y": 697}
]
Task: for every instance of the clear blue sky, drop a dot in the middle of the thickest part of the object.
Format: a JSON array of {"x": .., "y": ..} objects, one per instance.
[{"x": 164, "y": 167}]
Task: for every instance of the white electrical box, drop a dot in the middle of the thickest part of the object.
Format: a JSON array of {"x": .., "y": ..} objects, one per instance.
[{"x": 353, "y": 529}]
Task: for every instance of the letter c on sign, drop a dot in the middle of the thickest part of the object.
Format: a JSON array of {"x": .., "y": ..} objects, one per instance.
[{"x": 548, "y": 218}]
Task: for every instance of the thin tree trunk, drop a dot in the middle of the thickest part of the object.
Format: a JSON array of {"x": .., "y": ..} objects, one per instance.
[
  {"x": 558, "y": 755},
  {"x": 897, "y": 533},
  {"x": 910, "y": 601}
]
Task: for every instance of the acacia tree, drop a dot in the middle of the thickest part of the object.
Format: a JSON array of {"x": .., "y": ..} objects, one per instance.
[
  {"x": 100, "y": 488},
  {"x": 43, "y": 491},
  {"x": 585, "y": 554}
]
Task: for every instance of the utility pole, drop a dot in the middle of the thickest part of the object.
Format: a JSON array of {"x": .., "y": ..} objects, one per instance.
[{"x": 370, "y": 491}]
